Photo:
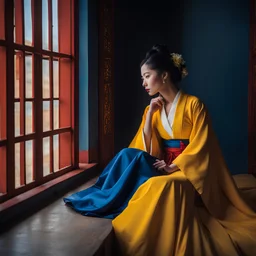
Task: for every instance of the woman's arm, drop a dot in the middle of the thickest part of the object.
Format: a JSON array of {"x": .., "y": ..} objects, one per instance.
[
  {"x": 147, "y": 130},
  {"x": 155, "y": 104}
]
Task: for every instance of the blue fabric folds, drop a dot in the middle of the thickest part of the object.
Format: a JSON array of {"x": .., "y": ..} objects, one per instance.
[{"x": 111, "y": 193}]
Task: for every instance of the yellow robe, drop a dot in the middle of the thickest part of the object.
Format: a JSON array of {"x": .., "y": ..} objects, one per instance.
[{"x": 163, "y": 218}]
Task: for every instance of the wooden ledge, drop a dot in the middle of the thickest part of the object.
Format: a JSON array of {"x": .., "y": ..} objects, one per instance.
[
  {"x": 245, "y": 181},
  {"x": 25, "y": 204}
]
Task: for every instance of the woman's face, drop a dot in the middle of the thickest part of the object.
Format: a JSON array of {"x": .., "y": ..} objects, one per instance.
[{"x": 151, "y": 80}]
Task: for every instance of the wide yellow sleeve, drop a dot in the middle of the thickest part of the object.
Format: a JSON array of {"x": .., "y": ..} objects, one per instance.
[
  {"x": 194, "y": 161},
  {"x": 138, "y": 140}
]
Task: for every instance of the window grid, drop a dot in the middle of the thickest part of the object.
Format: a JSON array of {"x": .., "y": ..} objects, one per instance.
[{"x": 22, "y": 143}]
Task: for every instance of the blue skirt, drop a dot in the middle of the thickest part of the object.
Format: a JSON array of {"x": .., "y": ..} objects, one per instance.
[{"x": 111, "y": 193}]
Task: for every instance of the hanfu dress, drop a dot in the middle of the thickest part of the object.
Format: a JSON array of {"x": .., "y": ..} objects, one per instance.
[
  {"x": 196, "y": 211},
  {"x": 130, "y": 168}
]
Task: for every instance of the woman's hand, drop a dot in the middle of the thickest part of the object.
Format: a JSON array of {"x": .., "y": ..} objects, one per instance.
[
  {"x": 155, "y": 104},
  {"x": 163, "y": 167}
]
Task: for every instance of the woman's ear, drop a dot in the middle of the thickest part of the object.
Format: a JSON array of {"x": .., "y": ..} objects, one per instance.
[{"x": 164, "y": 75}]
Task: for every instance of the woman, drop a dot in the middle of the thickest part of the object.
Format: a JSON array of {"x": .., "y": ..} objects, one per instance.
[{"x": 181, "y": 198}]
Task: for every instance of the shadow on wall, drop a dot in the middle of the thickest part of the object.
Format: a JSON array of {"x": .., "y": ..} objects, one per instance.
[
  {"x": 213, "y": 37},
  {"x": 137, "y": 28}
]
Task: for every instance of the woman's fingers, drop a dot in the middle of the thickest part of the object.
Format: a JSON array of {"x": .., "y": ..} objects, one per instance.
[
  {"x": 156, "y": 103},
  {"x": 158, "y": 161},
  {"x": 161, "y": 100},
  {"x": 162, "y": 167},
  {"x": 159, "y": 164}
]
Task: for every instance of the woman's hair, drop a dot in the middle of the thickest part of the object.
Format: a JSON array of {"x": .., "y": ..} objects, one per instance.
[{"x": 160, "y": 59}]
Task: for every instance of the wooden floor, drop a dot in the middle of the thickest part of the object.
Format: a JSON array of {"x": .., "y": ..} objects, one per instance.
[{"x": 57, "y": 230}]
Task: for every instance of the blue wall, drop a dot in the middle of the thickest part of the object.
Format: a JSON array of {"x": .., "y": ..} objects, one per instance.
[
  {"x": 83, "y": 75},
  {"x": 216, "y": 47},
  {"x": 88, "y": 75},
  {"x": 213, "y": 37}
]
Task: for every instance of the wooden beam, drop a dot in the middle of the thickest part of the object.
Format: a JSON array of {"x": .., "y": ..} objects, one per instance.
[{"x": 106, "y": 81}]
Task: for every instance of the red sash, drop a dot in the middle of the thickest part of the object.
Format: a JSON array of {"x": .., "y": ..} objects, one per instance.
[{"x": 171, "y": 153}]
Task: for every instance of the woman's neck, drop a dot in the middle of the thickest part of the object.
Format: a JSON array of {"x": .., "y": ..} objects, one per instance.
[{"x": 169, "y": 93}]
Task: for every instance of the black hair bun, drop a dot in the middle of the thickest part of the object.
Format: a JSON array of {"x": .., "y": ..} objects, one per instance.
[
  {"x": 158, "y": 49},
  {"x": 161, "y": 48},
  {"x": 159, "y": 58}
]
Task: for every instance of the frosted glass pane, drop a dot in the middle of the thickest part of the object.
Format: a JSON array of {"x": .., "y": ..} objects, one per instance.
[
  {"x": 29, "y": 161},
  {"x": 46, "y": 156},
  {"x": 28, "y": 22},
  {"x": 55, "y": 35},
  {"x": 45, "y": 24},
  {"x": 56, "y": 114},
  {"x": 46, "y": 116},
  {"x": 56, "y": 152},
  {"x": 17, "y": 118},
  {"x": 29, "y": 76},
  {"x": 17, "y": 165},
  {"x": 29, "y": 117},
  {"x": 46, "y": 79},
  {"x": 55, "y": 78}
]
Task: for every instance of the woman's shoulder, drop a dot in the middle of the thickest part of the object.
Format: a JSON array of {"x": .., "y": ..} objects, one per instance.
[{"x": 194, "y": 101}]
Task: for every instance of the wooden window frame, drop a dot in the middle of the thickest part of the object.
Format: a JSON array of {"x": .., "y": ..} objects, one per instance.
[{"x": 70, "y": 54}]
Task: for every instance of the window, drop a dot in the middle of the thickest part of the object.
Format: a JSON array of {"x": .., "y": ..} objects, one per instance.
[{"x": 37, "y": 93}]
